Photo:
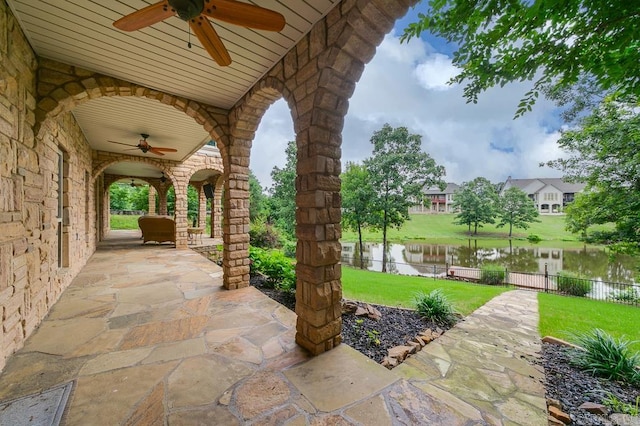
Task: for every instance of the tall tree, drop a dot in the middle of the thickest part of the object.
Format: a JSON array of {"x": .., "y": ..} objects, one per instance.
[
  {"x": 282, "y": 202},
  {"x": 603, "y": 151},
  {"x": 140, "y": 198},
  {"x": 398, "y": 172},
  {"x": 516, "y": 209},
  {"x": 588, "y": 208},
  {"x": 554, "y": 42},
  {"x": 119, "y": 197},
  {"x": 476, "y": 203},
  {"x": 257, "y": 198},
  {"x": 357, "y": 197}
]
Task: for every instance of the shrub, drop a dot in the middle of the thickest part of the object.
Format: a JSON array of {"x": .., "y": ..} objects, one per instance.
[
  {"x": 435, "y": 307},
  {"x": 533, "y": 238},
  {"x": 289, "y": 248},
  {"x": 630, "y": 295},
  {"x": 572, "y": 284},
  {"x": 256, "y": 255},
  {"x": 275, "y": 266},
  {"x": 261, "y": 234},
  {"x": 492, "y": 274},
  {"x": 604, "y": 356}
]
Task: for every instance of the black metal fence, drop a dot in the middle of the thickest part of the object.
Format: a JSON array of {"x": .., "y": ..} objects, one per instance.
[{"x": 564, "y": 284}]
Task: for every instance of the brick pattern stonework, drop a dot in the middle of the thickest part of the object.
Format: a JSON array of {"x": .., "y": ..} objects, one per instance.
[
  {"x": 31, "y": 279},
  {"x": 316, "y": 78}
]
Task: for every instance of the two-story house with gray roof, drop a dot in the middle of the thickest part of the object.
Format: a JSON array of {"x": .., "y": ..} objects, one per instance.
[
  {"x": 550, "y": 195},
  {"x": 436, "y": 200}
]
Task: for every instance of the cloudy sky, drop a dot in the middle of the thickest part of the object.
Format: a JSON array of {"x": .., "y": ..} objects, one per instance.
[{"x": 405, "y": 85}]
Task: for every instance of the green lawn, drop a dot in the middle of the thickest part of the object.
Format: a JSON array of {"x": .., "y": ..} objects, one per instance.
[
  {"x": 440, "y": 226},
  {"x": 399, "y": 290},
  {"x": 124, "y": 221},
  {"x": 561, "y": 316}
]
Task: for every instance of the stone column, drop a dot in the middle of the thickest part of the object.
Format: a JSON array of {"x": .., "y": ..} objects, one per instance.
[
  {"x": 180, "y": 214},
  {"x": 162, "y": 204},
  {"x": 202, "y": 208},
  {"x": 319, "y": 290},
  {"x": 152, "y": 200},
  {"x": 236, "y": 212},
  {"x": 216, "y": 209}
]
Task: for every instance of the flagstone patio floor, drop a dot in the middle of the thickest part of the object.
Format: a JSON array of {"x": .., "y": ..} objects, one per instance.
[{"x": 148, "y": 336}]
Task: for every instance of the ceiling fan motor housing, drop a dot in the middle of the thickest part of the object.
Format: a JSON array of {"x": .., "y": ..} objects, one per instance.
[{"x": 187, "y": 9}]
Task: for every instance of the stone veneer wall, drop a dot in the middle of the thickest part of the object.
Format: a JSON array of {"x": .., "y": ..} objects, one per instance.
[{"x": 30, "y": 279}]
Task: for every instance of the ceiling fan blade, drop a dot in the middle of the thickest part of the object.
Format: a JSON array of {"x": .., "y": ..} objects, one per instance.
[
  {"x": 155, "y": 151},
  {"x": 120, "y": 143},
  {"x": 144, "y": 17},
  {"x": 210, "y": 40},
  {"x": 165, "y": 149},
  {"x": 244, "y": 14}
]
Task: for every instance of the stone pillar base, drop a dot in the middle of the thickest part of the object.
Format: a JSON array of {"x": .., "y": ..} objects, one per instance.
[{"x": 325, "y": 337}]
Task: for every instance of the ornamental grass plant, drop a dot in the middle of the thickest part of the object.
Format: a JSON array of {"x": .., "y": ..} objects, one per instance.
[{"x": 606, "y": 356}]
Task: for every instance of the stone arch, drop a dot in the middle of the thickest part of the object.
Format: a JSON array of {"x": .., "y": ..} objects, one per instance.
[
  {"x": 103, "y": 160},
  {"x": 244, "y": 119},
  {"x": 317, "y": 78},
  {"x": 62, "y": 87}
]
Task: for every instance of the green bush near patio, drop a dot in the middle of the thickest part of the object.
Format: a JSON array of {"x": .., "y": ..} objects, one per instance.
[
  {"x": 492, "y": 274},
  {"x": 606, "y": 356},
  {"x": 275, "y": 266},
  {"x": 572, "y": 284},
  {"x": 565, "y": 317},
  {"x": 400, "y": 290},
  {"x": 435, "y": 307}
]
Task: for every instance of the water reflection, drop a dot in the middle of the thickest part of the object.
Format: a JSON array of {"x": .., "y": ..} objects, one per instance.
[{"x": 420, "y": 259}]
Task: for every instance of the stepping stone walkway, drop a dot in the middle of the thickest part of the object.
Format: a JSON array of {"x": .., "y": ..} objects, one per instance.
[
  {"x": 484, "y": 369},
  {"x": 148, "y": 336}
]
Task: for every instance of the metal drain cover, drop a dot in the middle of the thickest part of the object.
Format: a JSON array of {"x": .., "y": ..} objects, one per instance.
[{"x": 41, "y": 409}]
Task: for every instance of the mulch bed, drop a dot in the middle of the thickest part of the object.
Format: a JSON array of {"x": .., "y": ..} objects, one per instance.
[{"x": 564, "y": 382}]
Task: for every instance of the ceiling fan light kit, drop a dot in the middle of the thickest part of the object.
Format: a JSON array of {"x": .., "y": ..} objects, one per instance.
[{"x": 197, "y": 12}]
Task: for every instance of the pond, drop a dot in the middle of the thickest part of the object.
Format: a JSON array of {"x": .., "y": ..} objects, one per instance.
[{"x": 419, "y": 258}]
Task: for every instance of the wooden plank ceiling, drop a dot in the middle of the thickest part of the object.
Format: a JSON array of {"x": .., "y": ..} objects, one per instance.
[{"x": 80, "y": 33}]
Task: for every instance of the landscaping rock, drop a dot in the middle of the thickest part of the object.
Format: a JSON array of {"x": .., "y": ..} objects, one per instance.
[
  {"x": 349, "y": 306},
  {"x": 553, "y": 403},
  {"x": 594, "y": 408},
  {"x": 558, "y": 414},
  {"x": 374, "y": 314},
  {"x": 552, "y": 421},
  {"x": 399, "y": 352}
]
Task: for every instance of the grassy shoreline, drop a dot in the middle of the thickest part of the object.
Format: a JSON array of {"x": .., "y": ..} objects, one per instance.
[{"x": 440, "y": 227}]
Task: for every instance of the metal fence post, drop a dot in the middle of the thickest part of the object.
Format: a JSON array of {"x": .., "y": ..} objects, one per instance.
[
  {"x": 546, "y": 279},
  {"x": 506, "y": 277}
]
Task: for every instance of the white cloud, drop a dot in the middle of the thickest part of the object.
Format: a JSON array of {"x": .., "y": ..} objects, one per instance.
[
  {"x": 435, "y": 72},
  {"x": 402, "y": 86}
]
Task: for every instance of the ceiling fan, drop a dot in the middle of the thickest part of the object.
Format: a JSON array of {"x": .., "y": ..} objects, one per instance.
[
  {"x": 196, "y": 13},
  {"x": 133, "y": 184},
  {"x": 144, "y": 146}
]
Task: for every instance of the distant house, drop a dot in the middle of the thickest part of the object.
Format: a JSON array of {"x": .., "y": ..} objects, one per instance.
[
  {"x": 550, "y": 196},
  {"x": 436, "y": 200}
]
